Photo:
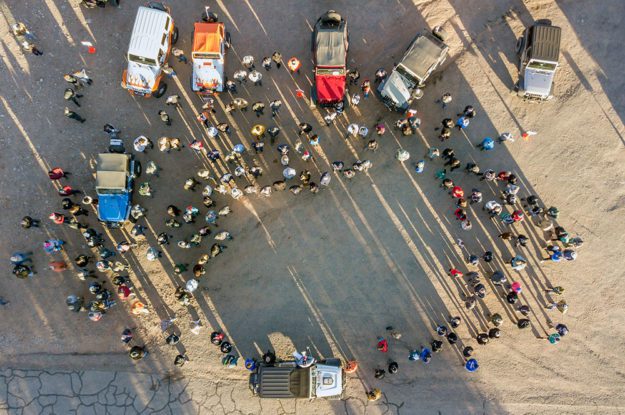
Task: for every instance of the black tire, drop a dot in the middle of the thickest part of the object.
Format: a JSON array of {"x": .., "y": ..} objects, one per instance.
[
  {"x": 162, "y": 88},
  {"x": 137, "y": 172},
  {"x": 228, "y": 40},
  {"x": 313, "y": 94},
  {"x": 156, "y": 5},
  {"x": 174, "y": 36},
  {"x": 519, "y": 45},
  {"x": 114, "y": 3}
]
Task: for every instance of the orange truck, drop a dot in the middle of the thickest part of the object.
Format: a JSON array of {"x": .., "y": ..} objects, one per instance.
[{"x": 210, "y": 42}]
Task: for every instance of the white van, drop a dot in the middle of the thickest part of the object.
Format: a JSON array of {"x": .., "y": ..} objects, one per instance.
[{"x": 152, "y": 36}]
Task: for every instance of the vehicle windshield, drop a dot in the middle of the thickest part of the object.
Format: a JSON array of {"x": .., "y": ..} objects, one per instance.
[
  {"x": 411, "y": 81},
  {"x": 542, "y": 66},
  {"x": 206, "y": 55},
  {"x": 330, "y": 71},
  {"x": 111, "y": 191},
  {"x": 141, "y": 60}
]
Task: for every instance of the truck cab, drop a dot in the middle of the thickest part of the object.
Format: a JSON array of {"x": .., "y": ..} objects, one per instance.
[
  {"x": 325, "y": 379},
  {"x": 426, "y": 53},
  {"x": 538, "y": 50},
  {"x": 115, "y": 174},
  {"x": 330, "y": 43},
  {"x": 153, "y": 35},
  {"x": 210, "y": 41}
]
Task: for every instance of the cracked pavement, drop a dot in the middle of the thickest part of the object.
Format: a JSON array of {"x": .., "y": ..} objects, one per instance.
[
  {"x": 94, "y": 392},
  {"x": 334, "y": 269}
]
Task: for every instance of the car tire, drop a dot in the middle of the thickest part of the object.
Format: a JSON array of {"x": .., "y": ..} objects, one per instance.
[
  {"x": 156, "y": 5},
  {"x": 519, "y": 45},
  {"x": 137, "y": 171},
  {"x": 174, "y": 36},
  {"x": 313, "y": 95},
  {"x": 162, "y": 88},
  {"x": 114, "y": 3},
  {"x": 228, "y": 40}
]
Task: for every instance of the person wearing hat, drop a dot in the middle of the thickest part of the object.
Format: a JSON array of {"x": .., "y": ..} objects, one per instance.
[
  {"x": 180, "y": 360},
  {"x": 393, "y": 367},
  {"x": 258, "y": 131},
  {"x": 164, "y": 117},
  {"x": 71, "y": 95},
  {"x": 73, "y": 115},
  {"x": 137, "y": 352},
  {"x": 294, "y": 65},
  {"x": 374, "y": 395}
]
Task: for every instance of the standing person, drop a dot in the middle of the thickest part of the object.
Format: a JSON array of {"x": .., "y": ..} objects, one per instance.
[
  {"x": 137, "y": 352},
  {"x": 23, "y": 271},
  {"x": 374, "y": 395},
  {"x": 561, "y": 305},
  {"x": 366, "y": 88},
  {"x": 294, "y": 65},
  {"x": 266, "y": 63},
  {"x": 256, "y": 77},
  {"x": 173, "y": 100},
  {"x": 445, "y": 99},
  {"x": 258, "y": 108},
  {"x": 248, "y": 62},
  {"x": 240, "y": 76},
  {"x": 57, "y": 266},
  {"x": 275, "y": 107},
  {"x": 241, "y": 104},
  {"x": 304, "y": 128},
  {"x": 57, "y": 173},
  {"x": 83, "y": 77},
  {"x": 231, "y": 86},
  {"x": 164, "y": 117},
  {"x": 73, "y": 115},
  {"x": 486, "y": 144},
  {"x": 462, "y": 123},
  {"x": 179, "y": 53},
  {"x": 469, "y": 112},
  {"x": 277, "y": 58},
  {"x": 380, "y": 75},
  {"x": 72, "y": 80},
  {"x": 353, "y": 76},
  {"x": 27, "y": 222}
]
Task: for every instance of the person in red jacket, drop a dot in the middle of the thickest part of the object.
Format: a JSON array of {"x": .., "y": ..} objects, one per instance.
[{"x": 382, "y": 345}]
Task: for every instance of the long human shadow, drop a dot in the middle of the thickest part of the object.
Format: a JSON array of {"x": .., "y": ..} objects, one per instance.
[{"x": 371, "y": 299}]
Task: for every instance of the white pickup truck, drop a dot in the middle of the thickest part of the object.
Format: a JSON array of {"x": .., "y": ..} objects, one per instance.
[
  {"x": 283, "y": 380},
  {"x": 538, "y": 50}
]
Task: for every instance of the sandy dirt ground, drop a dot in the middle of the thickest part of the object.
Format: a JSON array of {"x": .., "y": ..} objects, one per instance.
[{"x": 332, "y": 270}]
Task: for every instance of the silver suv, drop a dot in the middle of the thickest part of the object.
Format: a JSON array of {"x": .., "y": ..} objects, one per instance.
[{"x": 426, "y": 53}]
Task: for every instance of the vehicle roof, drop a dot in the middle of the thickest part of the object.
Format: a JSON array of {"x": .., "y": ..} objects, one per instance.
[
  {"x": 111, "y": 171},
  {"x": 424, "y": 52},
  {"x": 147, "y": 32},
  {"x": 330, "y": 45},
  {"x": 110, "y": 180},
  {"x": 283, "y": 382},
  {"x": 546, "y": 43},
  {"x": 207, "y": 37},
  {"x": 112, "y": 162}
]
